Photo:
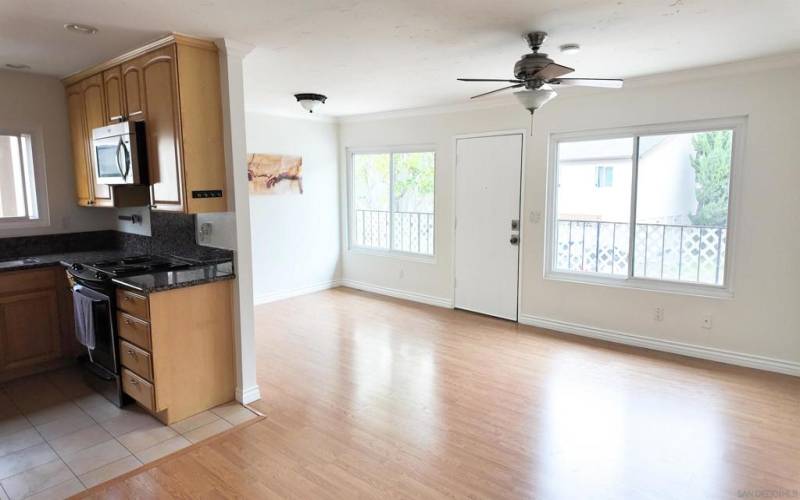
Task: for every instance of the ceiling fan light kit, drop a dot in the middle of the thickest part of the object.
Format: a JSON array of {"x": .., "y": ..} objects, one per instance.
[
  {"x": 534, "y": 99},
  {"x": 536, "y": 73}
]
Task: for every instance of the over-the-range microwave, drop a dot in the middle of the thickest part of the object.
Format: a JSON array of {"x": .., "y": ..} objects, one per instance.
[{"x": 119, "y": 153}]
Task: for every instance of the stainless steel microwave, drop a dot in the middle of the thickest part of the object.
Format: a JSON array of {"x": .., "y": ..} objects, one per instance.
[{"x": 119, "y": 153}]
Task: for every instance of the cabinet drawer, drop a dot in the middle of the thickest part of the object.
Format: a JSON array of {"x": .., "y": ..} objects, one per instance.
[
  {"x": 133, "y": 303},
  {"x": 139, "y": 389},
  {"x": 24, "y": 281},
  {"x": 134, "y": 330},
  {"x": 137, "y": 360}
]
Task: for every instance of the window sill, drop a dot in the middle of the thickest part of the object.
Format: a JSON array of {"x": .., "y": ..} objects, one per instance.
[
  {"x": 672, "y": 287},
  {"x": 24, "y": 223},
  {"x": 393, "y": 254}
]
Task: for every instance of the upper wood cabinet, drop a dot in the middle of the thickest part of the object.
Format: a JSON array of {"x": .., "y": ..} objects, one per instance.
[
  {"x": 173, "y": 85},
  {"x": 115, "y": 98},
  {"x": 80, "y": 153},
  {"x": 95, "y": 116}
]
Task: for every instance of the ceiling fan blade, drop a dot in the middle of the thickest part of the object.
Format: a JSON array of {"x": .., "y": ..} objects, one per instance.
[
  {"x": 552, "y": 70},
  {"x": 609, "y": 83},
  {"x": 487, "y": 80},
  {"x": 498, "y": 90}
]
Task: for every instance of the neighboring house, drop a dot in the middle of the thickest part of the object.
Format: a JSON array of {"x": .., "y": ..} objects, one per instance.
[{"x": 595, "y": 180}]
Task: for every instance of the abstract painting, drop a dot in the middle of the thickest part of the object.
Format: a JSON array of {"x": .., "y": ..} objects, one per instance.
[{"x": 275, "y": 174}]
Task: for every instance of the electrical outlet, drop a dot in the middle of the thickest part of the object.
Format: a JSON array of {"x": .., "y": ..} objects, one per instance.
[
  {"x": 658, "y": 315},
  {"x": 535, "y": 216},
  {"x": 206, "y": 228},
  {"x": 707, "y": 322}
]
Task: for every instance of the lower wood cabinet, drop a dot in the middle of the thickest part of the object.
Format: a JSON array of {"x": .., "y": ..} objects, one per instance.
[
  {"x": 36, "y": 325},
  {"x": 176, "y": 349}
]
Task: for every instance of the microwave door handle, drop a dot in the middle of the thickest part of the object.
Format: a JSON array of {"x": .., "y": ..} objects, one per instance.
[{"x": 121, "y": 146}]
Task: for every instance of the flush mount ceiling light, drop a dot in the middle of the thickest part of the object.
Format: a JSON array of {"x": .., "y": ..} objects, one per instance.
[
  {"x": 83, "y": 29},
  {"x": 570, "y": 48},
  {"x": 310, "y": 102},
  {"x": 17, "y": 66}
]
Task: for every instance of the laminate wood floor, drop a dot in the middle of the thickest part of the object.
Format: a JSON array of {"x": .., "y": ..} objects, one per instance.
[{"x": 369, "y": 397}]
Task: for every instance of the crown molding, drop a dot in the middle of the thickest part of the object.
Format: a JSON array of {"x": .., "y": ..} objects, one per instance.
[
  {"x": 747, "y": 66},
  {"x": 179, "y": 38},
  {"x": 234, "y": 48}
]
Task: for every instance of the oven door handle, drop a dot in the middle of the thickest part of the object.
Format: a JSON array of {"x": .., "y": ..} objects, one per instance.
[{"x": 121, "y": 146}]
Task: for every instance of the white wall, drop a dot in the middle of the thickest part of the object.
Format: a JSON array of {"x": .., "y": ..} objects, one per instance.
[
  {"x": 761, "y": 320},
  {"x": 38, "y": 104},
  {"x": 295, "y": 238}
]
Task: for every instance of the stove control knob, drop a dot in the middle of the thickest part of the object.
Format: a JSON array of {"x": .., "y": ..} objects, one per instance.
[
  {"x": 99, "y": 275},
  {"x": 77, "y": 267}
]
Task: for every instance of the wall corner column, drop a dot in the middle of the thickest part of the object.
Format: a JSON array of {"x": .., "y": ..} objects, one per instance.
[{"x": 231, "y": 55}]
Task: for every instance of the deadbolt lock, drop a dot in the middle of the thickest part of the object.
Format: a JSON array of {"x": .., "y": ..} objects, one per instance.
[{"x": 514, "y": 224}]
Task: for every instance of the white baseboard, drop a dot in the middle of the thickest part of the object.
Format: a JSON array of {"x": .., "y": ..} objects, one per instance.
[
  {"x": 399, "y": 294},
  {"x": 694, "y": 351},
  {"x": 246, "y": 396},
  {"x": 294, "y": 292}
]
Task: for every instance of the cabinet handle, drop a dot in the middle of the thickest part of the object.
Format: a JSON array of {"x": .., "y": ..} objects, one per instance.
[
  {"x": 127, "y": 321},
  {"x": 90, "y": 202},
  {"x": 126, "y": 299},
  {"x": 131, "y": 352},
  {"x": 119, "y": 118},
  {"x": 135, "y": 113},
  {"x": 134, "y": 381}
]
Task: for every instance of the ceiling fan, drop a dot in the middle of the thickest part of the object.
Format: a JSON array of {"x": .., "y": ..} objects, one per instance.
[{"x": 538, "y": 74}]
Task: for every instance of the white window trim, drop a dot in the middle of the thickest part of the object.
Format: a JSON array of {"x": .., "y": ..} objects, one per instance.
[
  {"x": 739, "y": 126},
  {"x": 39, "y": 181},
  {"x": 354, "y": 248}
]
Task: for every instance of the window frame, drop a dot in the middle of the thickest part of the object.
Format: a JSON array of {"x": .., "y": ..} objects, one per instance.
[
  {"x": 38, "y": 183},
  {"x": 738, "y": 124},
  {"x": 352, "y": 246}
]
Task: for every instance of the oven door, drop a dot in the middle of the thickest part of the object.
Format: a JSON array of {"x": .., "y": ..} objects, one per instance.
[{"x": 104, "y": 354}]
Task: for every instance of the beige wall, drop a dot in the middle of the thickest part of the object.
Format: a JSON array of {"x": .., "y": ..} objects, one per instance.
[
  {"x": 37, "y": 104},
  {"x": 763, "y": 317}
]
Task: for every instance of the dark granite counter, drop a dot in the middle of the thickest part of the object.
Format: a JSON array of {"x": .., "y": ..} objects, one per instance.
[
  {"x": 167, "y": 280},
  {"x": 56, "y": 259}
]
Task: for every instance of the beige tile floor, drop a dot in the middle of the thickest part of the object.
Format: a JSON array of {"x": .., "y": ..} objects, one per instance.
[{"x": 58, "y": 437}]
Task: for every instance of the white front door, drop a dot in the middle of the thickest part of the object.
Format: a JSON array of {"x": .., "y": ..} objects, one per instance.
[{"x": 488, "y": 171}]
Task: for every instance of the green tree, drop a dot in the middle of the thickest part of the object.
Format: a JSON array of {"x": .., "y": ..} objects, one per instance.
[{"x": 711, "y": 162}]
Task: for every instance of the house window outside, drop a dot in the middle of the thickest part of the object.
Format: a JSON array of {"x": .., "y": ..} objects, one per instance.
[
  {"x": 392, "y": 201},
  {"x": 18, "y": 196},
  {"x": 662, "y": 214},
  {"x": 604, "y": 177}
]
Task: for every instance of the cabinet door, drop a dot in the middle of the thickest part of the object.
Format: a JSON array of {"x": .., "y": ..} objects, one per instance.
[
  {"x": 114, "y": 94},
  {"x": 133, "y": 89},
  {"x": 80, "y": 143},
  {"x": 29, "y": 329},
  {"x": 159, "y": 73},
  {"x": 94, "y": 111}
]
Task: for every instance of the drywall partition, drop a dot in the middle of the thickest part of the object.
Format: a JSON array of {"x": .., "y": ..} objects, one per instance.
[{"x": 295, "y": 237}]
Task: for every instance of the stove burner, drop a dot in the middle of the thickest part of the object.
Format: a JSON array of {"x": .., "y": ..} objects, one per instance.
[{"x": 128, "y": 266}]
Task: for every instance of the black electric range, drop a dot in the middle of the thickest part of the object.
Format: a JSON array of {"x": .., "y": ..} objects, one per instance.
[
  {"x": 102, "y": 272},
  {"x": 94, "y": 280}
]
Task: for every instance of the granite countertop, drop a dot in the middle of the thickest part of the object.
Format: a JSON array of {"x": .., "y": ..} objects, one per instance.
[
  {"x": 167, "y": 280},
  {"x": 55, "y": 259}
]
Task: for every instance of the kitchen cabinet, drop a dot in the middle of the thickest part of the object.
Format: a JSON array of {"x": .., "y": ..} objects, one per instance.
[
  {"x": 173, "y": 85},
  {"x": 114, "y": 96},
  {"x": 174, "y": 342},
  {"x": 95, "y": 116},
  {"x": 80, "y": 153},
  {"x": 36, "y": 326}
]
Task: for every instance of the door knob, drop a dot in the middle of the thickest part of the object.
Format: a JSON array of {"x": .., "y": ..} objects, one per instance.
[{"x": 514, "y": 239}]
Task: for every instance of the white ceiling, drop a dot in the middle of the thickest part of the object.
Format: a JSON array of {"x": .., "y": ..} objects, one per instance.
[{"x": 376, "y": 55}]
